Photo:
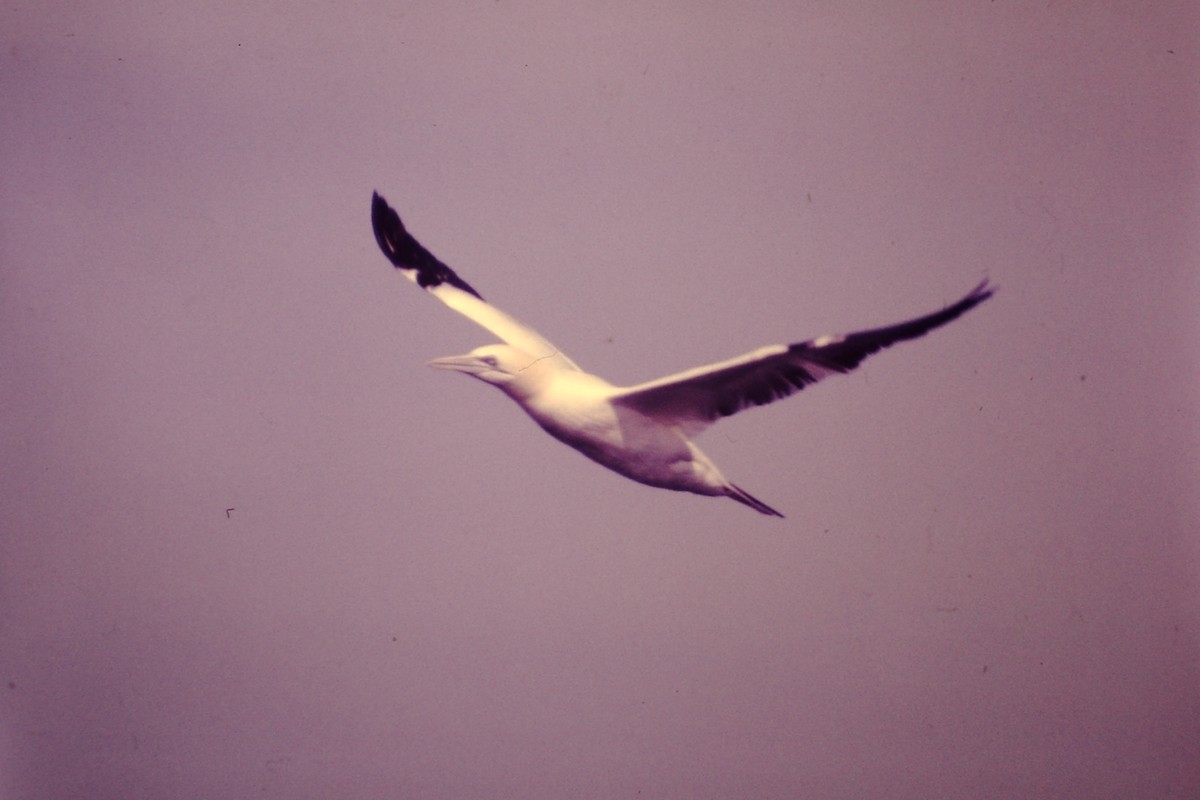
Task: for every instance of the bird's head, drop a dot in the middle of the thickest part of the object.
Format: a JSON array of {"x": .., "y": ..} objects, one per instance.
[{"x": 501, "y": 365}]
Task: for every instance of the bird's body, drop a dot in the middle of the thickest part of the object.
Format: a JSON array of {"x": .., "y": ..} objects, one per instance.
[
  {"x": 583, "y": 412},
  {"x": 642, "y": 432}
]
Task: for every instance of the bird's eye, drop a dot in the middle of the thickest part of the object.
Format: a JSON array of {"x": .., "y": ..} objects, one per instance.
[{"x": 491, "y": 361}]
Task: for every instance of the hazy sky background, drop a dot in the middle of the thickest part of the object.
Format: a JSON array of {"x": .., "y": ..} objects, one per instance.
[{"x": 986, "y": 585}]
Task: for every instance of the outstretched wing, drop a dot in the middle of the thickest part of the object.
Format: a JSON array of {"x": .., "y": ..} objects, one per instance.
[
  {"x": 695, "y": 399},
  {"x": 422, "y": 267}
]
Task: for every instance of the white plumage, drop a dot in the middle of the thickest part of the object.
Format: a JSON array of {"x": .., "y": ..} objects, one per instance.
[{"x": 642, "y": 432}]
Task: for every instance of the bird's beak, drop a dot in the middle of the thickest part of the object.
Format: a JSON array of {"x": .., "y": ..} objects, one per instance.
[{"x": 468, "y": 364}]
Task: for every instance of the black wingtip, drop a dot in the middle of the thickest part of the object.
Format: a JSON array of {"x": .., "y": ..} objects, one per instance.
[
  {"x": 844, "y": 353},
  {"x": 406, "y": 253},
  {"x": 389, "y": 230},
  {"x": 982, "y": 291}
]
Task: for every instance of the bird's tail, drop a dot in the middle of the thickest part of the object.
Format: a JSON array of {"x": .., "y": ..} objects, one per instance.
[{"x": 746, "y": 498}]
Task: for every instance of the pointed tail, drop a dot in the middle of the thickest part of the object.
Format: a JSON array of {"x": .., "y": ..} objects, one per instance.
[{"x": 748, "y": 499}]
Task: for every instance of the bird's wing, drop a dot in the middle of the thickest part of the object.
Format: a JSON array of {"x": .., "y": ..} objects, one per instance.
[
  {"x": 695, "y": 399},
  {"x": 422, "y": 267}
]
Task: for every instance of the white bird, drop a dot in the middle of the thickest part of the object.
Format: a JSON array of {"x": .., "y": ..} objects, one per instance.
[{"x": 642, "y": 432}]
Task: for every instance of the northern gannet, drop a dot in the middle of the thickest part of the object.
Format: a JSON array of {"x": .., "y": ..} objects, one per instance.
[{"x": 642, "y": 432}]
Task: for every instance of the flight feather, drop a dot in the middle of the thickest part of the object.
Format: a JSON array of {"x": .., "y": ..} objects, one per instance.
[
  {"x": 427, "y": 271},
  {"x": 698, "y": 397}
]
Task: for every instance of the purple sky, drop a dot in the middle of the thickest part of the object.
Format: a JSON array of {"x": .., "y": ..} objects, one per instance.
[{"x": 986, "y": 585}]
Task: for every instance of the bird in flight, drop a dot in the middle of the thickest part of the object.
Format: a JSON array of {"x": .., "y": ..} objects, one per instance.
[{"x": 643, "y": 432}]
